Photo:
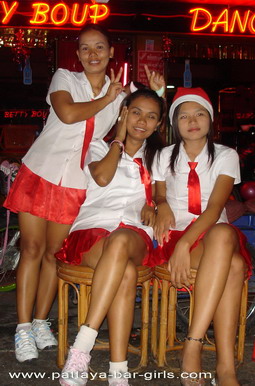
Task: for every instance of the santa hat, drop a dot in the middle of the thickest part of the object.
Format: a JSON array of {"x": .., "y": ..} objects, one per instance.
[{"x": 197, "y": 94}]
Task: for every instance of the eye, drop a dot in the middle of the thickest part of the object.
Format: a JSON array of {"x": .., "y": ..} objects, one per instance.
[
  {"x": 151, "y": 116},
  {"x": 183, "y": 116},
  {"x": 100, "y": 47},
  {"x": 84, "y": 48}
]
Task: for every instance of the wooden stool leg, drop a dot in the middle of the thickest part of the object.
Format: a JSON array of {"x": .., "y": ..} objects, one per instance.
[
  {"x": 145, "y": 323},
  {"x": 163, "y": 324},
  {"x": 172, "y": 316},
  {"x": 242, "y": 323},
  {"x": 62, "y": 323},
  {"x": 154, "y": 318}
]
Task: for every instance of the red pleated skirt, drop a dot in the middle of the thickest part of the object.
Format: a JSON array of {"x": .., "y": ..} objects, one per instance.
[
  {"x": 33, "y": 194},
  {"x": 162, "y": 254},
  {"x": 81, "y": 241}
]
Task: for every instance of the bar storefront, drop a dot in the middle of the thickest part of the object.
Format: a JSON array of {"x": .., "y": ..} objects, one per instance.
[{"x": 203, "y": 43}]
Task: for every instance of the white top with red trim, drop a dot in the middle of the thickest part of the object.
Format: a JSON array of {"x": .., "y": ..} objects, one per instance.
[
  {"x": 226, "y": 162},
  {"x": 120, "y": 201},
  {"x": 56, "y": 153}
]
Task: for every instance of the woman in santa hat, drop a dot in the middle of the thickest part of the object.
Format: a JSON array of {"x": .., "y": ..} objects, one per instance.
[{"x": 194, "y": 178}]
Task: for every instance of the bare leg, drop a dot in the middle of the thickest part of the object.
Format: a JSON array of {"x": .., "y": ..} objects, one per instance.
[
  {"x": 33, "y": 236},
  {"x": 121, "y": 314},
  {"x": 47, "y": 287},
  {"x": 119, "y": 247},
  {"x": 214, "y": 260},
  {"x": 225, "y": 323}
]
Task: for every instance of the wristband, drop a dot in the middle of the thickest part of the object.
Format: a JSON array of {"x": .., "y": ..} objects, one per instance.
[
  {"x": 120, "y": 144},
  {"x": 161, "y": 91}
]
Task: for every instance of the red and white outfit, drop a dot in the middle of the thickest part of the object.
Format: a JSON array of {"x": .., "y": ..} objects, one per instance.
[
  {"x": 117, "y": 205},
  {"x": 53, "y": 161},
  {"x": 226, "y": 162}
]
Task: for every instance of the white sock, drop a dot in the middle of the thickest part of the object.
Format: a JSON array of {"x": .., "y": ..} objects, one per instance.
[
  {"x": 39, "y": 320},
  {"x": 117, "y": 368},
  {"x": 85, "y": 339},
  {"x": 24, "y": 326}
]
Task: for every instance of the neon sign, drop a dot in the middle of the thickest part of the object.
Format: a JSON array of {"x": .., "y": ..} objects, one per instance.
[
  {"x": 228, "y": 21},
  {"x": 59, "y": 14}
]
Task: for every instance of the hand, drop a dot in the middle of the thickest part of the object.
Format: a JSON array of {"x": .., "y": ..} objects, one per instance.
[
  {"x": 156, "y": 80},
  {"x": 164, "y": 220},
  {"x": 148, "y": 215},
  {"x": 179, "y": 266},
  {"x": 115, "y": 87},
  {"x": 121, "y": 130}
]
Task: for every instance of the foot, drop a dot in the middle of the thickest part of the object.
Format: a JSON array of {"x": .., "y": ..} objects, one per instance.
[
  {"x": 191, "y": 363},
  {"x": 75, "y": 371},
  {"x": 43, "y": 335},
  {"x": 25, "y": 347}
]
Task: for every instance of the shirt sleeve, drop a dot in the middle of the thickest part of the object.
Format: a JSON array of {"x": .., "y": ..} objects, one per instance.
[
  {"x": 160, "y": 166},
  {"x": 229, "y": 165},
  {"x": 61, "y": 81},
  {"x": 97, "y": 150}
]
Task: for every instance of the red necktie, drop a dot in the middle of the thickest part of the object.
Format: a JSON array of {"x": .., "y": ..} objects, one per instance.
[
  {"x": 194, "y": 194},
  {"x": 90, "y": 123},
  {"x": 146, "y": 180}
]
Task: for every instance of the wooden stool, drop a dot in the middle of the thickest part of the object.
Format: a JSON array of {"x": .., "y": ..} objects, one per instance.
[
  {"x": 167, "y": 325},
  {"x": 70, "y": 275}
]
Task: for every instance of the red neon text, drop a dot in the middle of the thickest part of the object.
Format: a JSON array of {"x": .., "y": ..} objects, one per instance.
[
  {"x": 228, "y": 21},
  {"x": 58, "y": 14}
]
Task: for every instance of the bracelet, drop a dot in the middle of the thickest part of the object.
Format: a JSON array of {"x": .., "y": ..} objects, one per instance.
[
  {"x": 120, "y": 144},
  {"x": 161, "y": 91}
]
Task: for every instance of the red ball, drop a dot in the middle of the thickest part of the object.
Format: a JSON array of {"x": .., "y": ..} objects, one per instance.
[{"x": 248, "y": 190}]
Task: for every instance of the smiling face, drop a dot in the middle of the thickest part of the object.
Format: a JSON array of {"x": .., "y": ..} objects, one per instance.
[
  {"x": 143, "y": 118},
  {"x": 94, "y": 52},
  {"x": 193, "y": 121}
]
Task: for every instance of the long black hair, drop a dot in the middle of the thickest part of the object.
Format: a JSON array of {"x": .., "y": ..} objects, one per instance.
[
  {"x": 177, "y": 139},
  {"x": 155, "y": 141}
]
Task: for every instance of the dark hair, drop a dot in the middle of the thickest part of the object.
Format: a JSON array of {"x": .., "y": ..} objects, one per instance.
[
  {"x": 177, "y": 139},
  {"x": 95, "y": 27},
  {"x": 154, "y": 142}
]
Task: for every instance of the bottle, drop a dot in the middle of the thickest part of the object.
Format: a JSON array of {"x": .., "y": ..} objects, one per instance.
[
  {"x": 187, "y": 77},
  {"x": 27, "y": 72}
]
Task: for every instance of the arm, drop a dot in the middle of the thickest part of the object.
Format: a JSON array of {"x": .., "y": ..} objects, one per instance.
[
  {"x": 165, "y": 217},
  {"x": 148, "y": 214},
  {"x": 103, "y": 171},
  {"x": 179, "y": 263},
  {"x": 70, "y": 112}
]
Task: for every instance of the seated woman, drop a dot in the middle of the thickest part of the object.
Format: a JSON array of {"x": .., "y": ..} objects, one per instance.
[
  {"x": 194, "y": 178},
  {"x": 113, "y": 231}
]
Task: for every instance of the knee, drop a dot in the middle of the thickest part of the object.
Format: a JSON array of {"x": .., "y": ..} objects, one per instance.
[
  {"x": 31, "y": 249},
  {"x": 118, "y": 244},
  {"x": 222, "y": 235},
  {"x": 50, "y": 251}
]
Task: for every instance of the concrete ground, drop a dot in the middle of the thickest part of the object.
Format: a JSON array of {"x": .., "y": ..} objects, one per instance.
[{"x": 44, "y": 370}]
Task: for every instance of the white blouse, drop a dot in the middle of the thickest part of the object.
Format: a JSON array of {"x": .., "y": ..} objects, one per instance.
[
  {"x": 56, "y": 153},
  {"x": 226, "y": 162},
  {"x": 120, "y": 201}
]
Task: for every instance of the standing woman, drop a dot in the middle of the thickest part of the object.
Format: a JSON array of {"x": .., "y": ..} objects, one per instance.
[
  {"x": 194, "y": 179},
  {"x": 50, "y": 186}
]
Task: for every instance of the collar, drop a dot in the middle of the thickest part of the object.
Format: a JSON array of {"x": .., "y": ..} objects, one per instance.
[
  {"x": 82, "y": 78},
  {"x": 199, "y": 157}
]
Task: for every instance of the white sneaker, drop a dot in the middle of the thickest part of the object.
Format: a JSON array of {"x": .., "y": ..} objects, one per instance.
[
  {"x": 75, "y": 371},
  {"x": 25, "y": 347},
  {"x": 43, "y": 335}
]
